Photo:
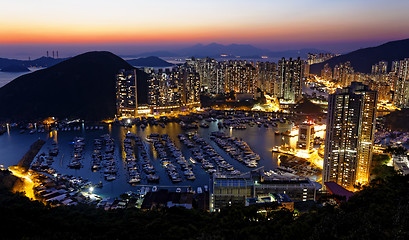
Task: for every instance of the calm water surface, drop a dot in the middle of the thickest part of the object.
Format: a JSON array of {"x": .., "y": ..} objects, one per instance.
[{"x": 6, "y": 77}]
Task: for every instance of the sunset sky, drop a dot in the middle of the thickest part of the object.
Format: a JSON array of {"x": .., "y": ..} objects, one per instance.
[{"x": 336, "y": 25}]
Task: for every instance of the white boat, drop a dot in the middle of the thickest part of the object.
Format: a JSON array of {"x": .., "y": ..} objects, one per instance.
[{"x": 110, "y": 178}]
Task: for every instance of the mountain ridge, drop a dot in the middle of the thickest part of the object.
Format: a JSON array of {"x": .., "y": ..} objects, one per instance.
[
  {"x": 363, "y": 59},
  {"x": 215, "y": 50}
]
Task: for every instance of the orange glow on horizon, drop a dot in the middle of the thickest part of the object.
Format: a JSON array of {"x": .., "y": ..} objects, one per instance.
[{"x": 18, "y": 33}]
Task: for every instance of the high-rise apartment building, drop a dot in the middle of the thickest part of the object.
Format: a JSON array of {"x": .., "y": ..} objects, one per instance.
[
  {"x": 240, "y": 77},
  {"x": 326, "y": 73},
  {"x": 191, "y": 85},
  {"x": 207, "y": 69},
  {"x": 267, "y": 77},
  {"x": 401, "y": 96},
  {"x": 165, "y": 88},
  {"x": 126, "y": 93},
  {"x": 350, "y": 135},
  {"x": 380, "y": 68},
  {"x": 290, "y": 79},
  {"x": 343, "y": 74},
  {"x": 217, "y": 83}
]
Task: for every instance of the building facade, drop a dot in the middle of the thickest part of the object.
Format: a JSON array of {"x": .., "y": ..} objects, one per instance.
[
  {"x": 401, "y": 70},
  {"x": 349, "y": 135},
  {"x": 290, "y": 79},
  {"x": 305, "y": 136},
  {"x": 227, "y": 190},
  {"x": 126, "y": 93}
]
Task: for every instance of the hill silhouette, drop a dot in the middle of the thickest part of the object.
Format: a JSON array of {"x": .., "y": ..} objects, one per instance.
[
  {"x": 82, "y": 86},
  {"x": 363, "y": 59},
  {"x": 149, "y": 62}
]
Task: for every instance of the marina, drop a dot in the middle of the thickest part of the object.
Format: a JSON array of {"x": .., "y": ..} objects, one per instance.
[{"x": 118, "y": 158}]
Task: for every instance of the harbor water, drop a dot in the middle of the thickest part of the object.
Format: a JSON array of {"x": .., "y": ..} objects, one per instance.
[{"x": 13, "y": 146}]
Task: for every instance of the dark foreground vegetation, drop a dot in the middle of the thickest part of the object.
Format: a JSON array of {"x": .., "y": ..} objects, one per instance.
[
  {"x": 397, "y": 120},
  {"x": 377, "y": 212}
]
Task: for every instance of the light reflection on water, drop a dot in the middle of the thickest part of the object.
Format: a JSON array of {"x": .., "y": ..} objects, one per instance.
[{"x": 260, "y": 139}]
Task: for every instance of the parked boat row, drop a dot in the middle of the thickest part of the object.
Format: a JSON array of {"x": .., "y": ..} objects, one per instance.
[
  {"x": 77, "y": 155},
  {"x": 54, "y": 150},
  {"x": 188, "y": 125},
  {"x": 134, "y": 175},
  {"x": 205, "y": 154},
  {"x": 178, "y": 156},
  {"x": 109, "y": 163},
  {"x": 237, "y": 149},
  {"x": 240, "y": 122},
  {"x": 170, "y": 168},
  {"x": 97, "y": 155}
]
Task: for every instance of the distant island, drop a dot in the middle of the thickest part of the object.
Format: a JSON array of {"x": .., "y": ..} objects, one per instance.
[
  {"x": 15, "y": 68},
  {"x": 39, "y": 62}
]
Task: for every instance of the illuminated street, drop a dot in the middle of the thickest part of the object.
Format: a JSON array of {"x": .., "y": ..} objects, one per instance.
[{"x": 27, "y": 179}]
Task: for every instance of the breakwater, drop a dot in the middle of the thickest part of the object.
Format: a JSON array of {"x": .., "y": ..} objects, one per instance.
[{"x": 28, "y": 158}]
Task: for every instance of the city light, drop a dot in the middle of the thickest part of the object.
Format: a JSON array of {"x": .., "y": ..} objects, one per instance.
[{"x": 28, "y": 183}]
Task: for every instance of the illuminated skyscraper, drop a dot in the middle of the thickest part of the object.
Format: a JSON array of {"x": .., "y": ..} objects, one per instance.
[
  {"x": 266, "y": 77},
  {"x": 240, "y": 77},
  {"x": 401, "y": 96},
  {"x": 350, "y": 134},
  {"x": 290, "y": 79},
  {"x": 380, "y": 68},
  {"x": 191, "y": 85},
  {"x": 126, "y": 94},
  {"x": 165, "y": 88},
  {"x": 326, "y": 73},
  {"x": 217, "y": 83},
  {"x": 343, "y": 74}
]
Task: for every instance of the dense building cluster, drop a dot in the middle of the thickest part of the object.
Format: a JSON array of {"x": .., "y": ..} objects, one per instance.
[
  {"x": 241, "y": 76},
  {"x": 391, "y": 83},
  {"x": 313, "y": 58},
  {"x": 180, "y": 87},
  {"x": 400, "y": 74}
]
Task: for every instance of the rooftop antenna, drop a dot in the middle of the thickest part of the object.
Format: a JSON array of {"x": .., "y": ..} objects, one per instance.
[
  {"x": 47, "y": 53},
  {"x": 57, "y": 54},
  {"x": 53, "y": 54}
]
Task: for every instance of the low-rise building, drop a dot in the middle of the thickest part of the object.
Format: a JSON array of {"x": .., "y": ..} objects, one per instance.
[{"x": 226, "y": 190}]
